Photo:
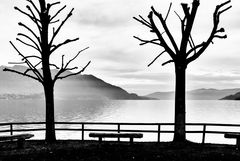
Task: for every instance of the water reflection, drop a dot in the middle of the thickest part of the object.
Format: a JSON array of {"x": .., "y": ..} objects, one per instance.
[{"x": 153, "y": 111}]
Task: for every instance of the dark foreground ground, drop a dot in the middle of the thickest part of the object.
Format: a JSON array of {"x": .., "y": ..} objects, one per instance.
[{"x": 114, "y": 151}]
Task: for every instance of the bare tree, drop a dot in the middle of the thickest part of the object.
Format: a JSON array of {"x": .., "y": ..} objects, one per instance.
[
  {"x": 44, "y": 46},
  {"x": 182, "y": 55}
]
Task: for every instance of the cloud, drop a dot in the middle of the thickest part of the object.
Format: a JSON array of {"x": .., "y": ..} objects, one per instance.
[
  {"x": 107, "y": 14},
  {"x": 100, "y": 19}
]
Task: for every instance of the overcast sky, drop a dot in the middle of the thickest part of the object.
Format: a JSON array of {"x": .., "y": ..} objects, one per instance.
[{"x": 107, "y": 27}]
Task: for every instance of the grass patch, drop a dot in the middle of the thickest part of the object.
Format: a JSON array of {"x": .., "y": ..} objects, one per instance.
[{"x": 72, "y": 150}]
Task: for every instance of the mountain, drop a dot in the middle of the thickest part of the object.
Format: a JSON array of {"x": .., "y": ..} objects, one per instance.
[
  {"x": 198, "y": 94},
  {"x": 235, "y": 96},
  {"x": 76, "y": 87}
]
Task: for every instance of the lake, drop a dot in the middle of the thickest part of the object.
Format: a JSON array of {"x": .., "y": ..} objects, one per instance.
[{"x": 152, "y": 111}]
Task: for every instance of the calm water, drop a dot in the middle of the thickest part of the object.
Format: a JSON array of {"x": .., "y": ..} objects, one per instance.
[{"x": 121, "y": 111}]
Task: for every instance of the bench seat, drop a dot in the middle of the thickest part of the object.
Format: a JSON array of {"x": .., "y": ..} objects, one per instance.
[
  {"x": 20, "y": 138},
  {"x": 116, "y": 135},
  {"x": 233, "y": 136}
]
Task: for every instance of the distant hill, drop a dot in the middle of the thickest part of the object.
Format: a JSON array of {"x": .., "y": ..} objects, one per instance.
[
  {"x": 76, "y": 87},
  {"x": 198, "y": 94},
  {"x": 235, "y": 96}
]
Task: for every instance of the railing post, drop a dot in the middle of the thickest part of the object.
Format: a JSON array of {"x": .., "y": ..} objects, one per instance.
[
  {"x": 118, "y": 130},
  {"x": 204, "y": 134},
  {"x": 11, "y": 129},
  {"x": 83, "y": 131},
  {"x": 159, "y": 131}
]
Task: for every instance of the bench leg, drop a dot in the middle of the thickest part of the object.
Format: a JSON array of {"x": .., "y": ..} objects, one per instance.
[
  {"x": 20, "y": 143},
  {"x": 131, "y": 140},
  {"x": 238, "y": 143}
]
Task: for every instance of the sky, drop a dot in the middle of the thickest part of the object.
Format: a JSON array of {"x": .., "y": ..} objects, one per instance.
[{"x": 107, "y": 27}]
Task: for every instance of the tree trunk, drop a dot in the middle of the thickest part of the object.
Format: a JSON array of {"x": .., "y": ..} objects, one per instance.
[
  {"x": 180, "y": 106},
  {"x": 50, "y": 136}
]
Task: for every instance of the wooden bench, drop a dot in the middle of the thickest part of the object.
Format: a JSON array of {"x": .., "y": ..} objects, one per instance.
[
  {"x": 233, "y": 136},
  {"x": 20, "y": 138},
  {"x": 131, "y": 136}
]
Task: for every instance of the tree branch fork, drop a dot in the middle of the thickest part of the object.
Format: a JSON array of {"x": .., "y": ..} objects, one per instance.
[
  {"x": 33, "y": 39},
  {"x": 188, "y": 51}
]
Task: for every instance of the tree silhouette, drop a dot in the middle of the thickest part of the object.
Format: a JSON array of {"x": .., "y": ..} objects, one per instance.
[
  {"x": 44, "y": 46},
  {"x": 181, "y": 55}
]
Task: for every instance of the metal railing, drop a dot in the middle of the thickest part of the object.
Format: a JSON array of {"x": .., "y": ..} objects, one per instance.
[{"x": 83, "y": 127}]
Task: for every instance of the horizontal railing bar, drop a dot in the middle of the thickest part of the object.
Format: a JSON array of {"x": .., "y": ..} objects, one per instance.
[
  {"x": 113, "y": 130},
  {"x": 147, "y": 131},
  {"x": 22, "y": 123},
  {"x": 112, "y": 123},
  {"x": 211, "y": 124},
  {"x": 3, "y": 131},
  {"x": 22, "y": 130},
  {"x": 116, "y": 123}
]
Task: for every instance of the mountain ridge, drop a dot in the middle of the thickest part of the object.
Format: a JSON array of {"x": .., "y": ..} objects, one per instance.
[
  {"x": 197, "y": 94},
  {"x": 235, "y": 96},
  {"x": 75, "y": 87}
]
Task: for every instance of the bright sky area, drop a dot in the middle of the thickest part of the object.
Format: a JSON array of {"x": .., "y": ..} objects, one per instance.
[{"x": 107, "y": 27}]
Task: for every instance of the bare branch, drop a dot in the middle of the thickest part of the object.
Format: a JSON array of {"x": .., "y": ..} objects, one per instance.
[
  {"x": 220, "y": 30},
  {"x": 153, "y": 41},
  {"x": 204, "y": 45},
  {"x": 29, "y": 38},
  {"x": 169, "y": 9},
  {"x": 189, "y": 24},
  {"x": 195, "y": 48},
  {"x": 35, "y": 7},
  {"x": 30, "y": 65},
  {"x": 156, "y": 58},
  {"x": 167, "y": 62},
  {"x": 223, "y": 4},
  {"x": 23, "y": 74},
  {"x": 52, "y": 4},
  {"x": 166, "y": 29},
  {"x": 192, "y": 44},
  {"x": 35, "y": 66},
  {"x": 220, "y": 12},
  {"x": 75, "y": 57},
  {"x": 143, "y": 21},
  {"x": 57, "y": 13},
  {"x": 220, "y": 37},
  {"x": 32, "y": 56},
  {"x": 27, "y": 44},
  {"x": 34, "y": 19},
  {"x": 185, "y": 9},
  {"x": 182, "y": 21},
  {"x": 60, "y": 26},
  {"x": 62, "y": 61},
  {"x": 178, "y": 15},
  {"x": 54, "y": 21},
  {"x": 72, "y": 74},
  {"x": 55, "y": 47},
  {"x": 65, "y": 68},
  {"x": 163, "y": 43},
  {"x": 30, "y": 30},
  {"x": 21, "y": 11},
  {"x": 54, "y": 65},
  {"x": 73, "y": 68}
]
